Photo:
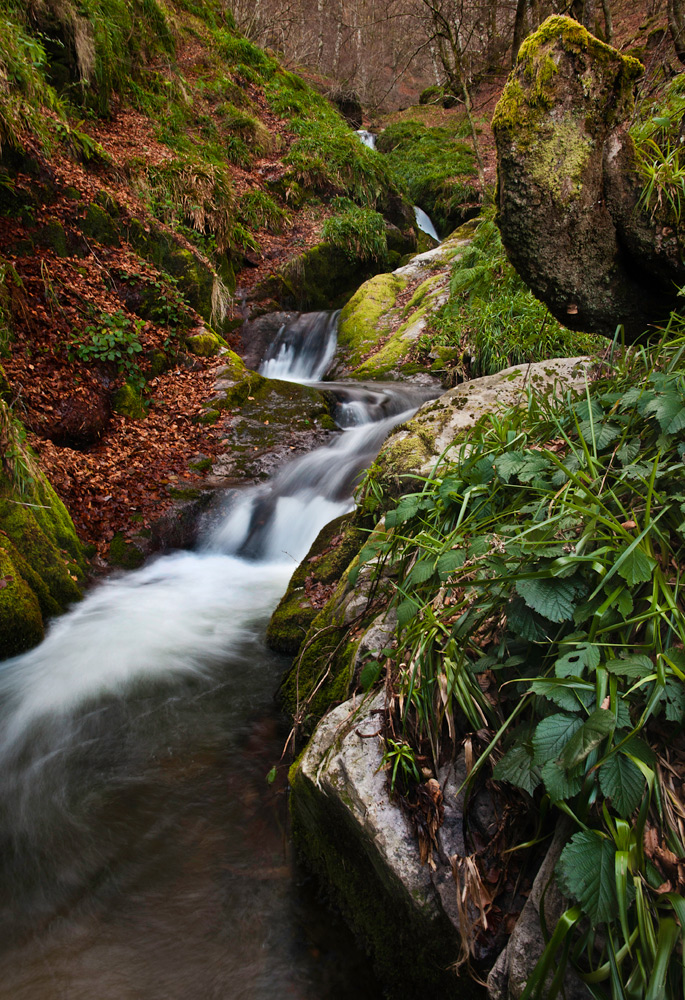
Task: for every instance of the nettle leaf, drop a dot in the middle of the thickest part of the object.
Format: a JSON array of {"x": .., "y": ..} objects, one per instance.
[
  {"x": 552, "y": 735},
  {"x": 406, "y": 611},
  {"x": 449, "y": 561},
  {"x": 675, "y": 699},
  {"x": 636, "y": 567},
  {"x": 604, "y": 432},
  {"x": 623, "y": 782},
  {"x": 509, "y": 464},
  {"x": 551, "y": 598},
  {"x": 534, "y": 464},
  {"x": 370, "y": 674},
  {"x": 594, "y": 731},
  {"x": 407, "y": 507},
  {"x": 559, "y": 784},
  {"x": 574, "y": 664},
  {"x": 629, "y": 451},
  {"x": 518, "y": 767},
  {"x": 482, "y": 472},
  {"x": 586, "y": 871},
  {"x": 566, "y": 696},
  {"x": 421, "y": 571},
  {"x": 634, "y": 667}
]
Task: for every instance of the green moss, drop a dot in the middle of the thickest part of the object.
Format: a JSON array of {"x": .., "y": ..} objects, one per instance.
[
  {"x": 208, "y": 416},
  {"x": 204, "y": 345},
  {"x": 362, "y": 321},
  {"x": 125, "y": 554},
  {"x": 99, "y": 225},
  {"x": 560, "y": 161},
  {"x": 323, "y": 277},
  {"x": 21, "y": 621},
  {"x": 53, "y": 235},
  {"x": 128, "y": 401},
  {"x": 295, "y": 613}
]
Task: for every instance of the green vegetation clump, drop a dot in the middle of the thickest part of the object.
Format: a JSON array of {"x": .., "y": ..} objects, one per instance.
[
  {"x": 258, "y": 210},
  {"x": 434, "y": 165},
  {"x": 657, "y": 138},
  {"x": 541, "y": 564},
  {"x": 359, "y": 233},
  {"x": 492, "y": 320}
]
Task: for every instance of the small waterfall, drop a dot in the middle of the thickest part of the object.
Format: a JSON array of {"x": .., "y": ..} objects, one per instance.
[
  {"x": 303, "y": 349},
  {"x": 368, "y": 138},
  {"x": 423, "y": 221},
  {"x": 133, "y": 858}
]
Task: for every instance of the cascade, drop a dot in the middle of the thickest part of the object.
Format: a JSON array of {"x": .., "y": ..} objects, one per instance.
[
  {"x": 425, "y": 224},
  {"x": 368, "y": 138},
  {"x": 142, "y": 849}
]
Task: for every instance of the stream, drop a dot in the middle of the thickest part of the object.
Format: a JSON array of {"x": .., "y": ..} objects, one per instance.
[{"x": 143, "y": 853}]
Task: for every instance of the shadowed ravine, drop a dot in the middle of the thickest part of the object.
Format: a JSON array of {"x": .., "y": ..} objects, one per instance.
[{"x": 143, "y": 853}]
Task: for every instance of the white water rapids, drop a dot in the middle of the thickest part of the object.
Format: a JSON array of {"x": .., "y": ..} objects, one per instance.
[{"x": 140, "y": 853}]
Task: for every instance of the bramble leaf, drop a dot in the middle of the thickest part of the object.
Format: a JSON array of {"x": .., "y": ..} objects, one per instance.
[
  {"x": 586, "y": 871},
  {"x": 623, "y": 782},
  {"x": 552, "y": 598},
  {"x": 594, "y": 730},
  {"x": 552, "y": 734},
  {"x": 518, "y": 767}
]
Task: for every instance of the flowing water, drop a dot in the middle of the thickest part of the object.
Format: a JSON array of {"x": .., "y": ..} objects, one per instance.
[
  {"x": 368, "y": 138},
  {"x": 142, "y": 852},
  {"x": 425, "y": 224}
]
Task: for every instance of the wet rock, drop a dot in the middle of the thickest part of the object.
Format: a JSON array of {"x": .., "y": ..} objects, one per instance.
[
  {"x": 257, "y": 334},
  {"x": 568, "y": 187}
]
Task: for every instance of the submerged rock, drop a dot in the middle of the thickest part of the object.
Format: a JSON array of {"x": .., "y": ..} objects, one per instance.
[{"x": 568, "y": 188}]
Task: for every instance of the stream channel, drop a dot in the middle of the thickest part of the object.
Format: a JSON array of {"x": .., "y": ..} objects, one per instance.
[{"x": 142, "y": 852}]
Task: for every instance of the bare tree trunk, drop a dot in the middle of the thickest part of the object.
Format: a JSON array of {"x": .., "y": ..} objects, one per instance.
[
  {"x": 608, "y": 21},
  {"x": 676, "y": 23},
  {"x": 338, "y": 39},
  {"x": 319, "y": 47},
  {"x": 520, "y": 29}
]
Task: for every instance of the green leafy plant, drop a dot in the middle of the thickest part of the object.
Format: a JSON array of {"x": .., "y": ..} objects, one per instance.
[
  {"x": 359, "y": 233},
  {"x": 400, "y": 761},
  {"x": 546, "y": 554},
  {"x": 258, "y": 210},
  {"x": 657, "y": 138},
  {"x": 115, "y": 339}
]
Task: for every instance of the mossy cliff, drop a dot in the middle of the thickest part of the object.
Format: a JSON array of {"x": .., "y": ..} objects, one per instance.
[
  {"x": 42, "y": 566},
  {"x": 562, "y": 116}
]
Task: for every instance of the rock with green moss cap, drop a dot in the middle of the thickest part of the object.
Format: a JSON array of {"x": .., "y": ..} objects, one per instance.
[
  {"x": 560, "y": 125},
  {"x": 128, "y": 402},
  {"x": 204, "y": 345},
  {"x": 42, "y": 566}
]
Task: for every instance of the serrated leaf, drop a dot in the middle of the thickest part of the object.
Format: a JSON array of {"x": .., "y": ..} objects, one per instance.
[
  {"x": 517, "y": 766},
  {"x": 565, "y": 696},
  {"x": 534, "y": 464},
  {"x": 634, "y": 667},
  {"x": 678, "y": 422},
  {"x": 421, "y": 571},
  {"x": 586, "y": 871},
  {"x": 604, "y": 432},
  {"x": 629, "y": 451},
  {"x": 523, "y": 622},
  {"x": 370, "y": 674},
  {"x": 552, "y": 598},
  {"x": 406, "y": 611},
  {"x": 552, "y": 735},
  {"x": 407, "y": 507},
  {"x": 449, "y": 561},
  {"x": 574, "y": 664},
  {"x": 675, "y": 699},
  {"x": 594, "y": 731},
  {"x": 622, "y": 782},
  {"x": 508, "y": 464},
  {"x": 482, "y": 472},
  {"x": 624, "y": 603},
  {"x": 665, "y": 406},
  {"x": 636, "y": 567},
  {"x": 559, "y": 784}
]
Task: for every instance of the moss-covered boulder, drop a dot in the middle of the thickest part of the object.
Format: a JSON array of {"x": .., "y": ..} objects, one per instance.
[
  {"x": 42, "y": 566},
  {"x": 384, "y": 319},
  {"x": 128, "y": 401},
  {"x": 560, "y": 125},
  {"x": 204, "y": 345},
  {"x": 323, "y": 277},
  {"x": 312, "y": 583}
]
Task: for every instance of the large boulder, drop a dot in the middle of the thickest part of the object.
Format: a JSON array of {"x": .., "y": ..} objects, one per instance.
[{"x": 568, "y": 187}]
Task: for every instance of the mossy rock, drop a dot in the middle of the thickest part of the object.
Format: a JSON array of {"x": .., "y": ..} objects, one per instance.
[
  {"x": 364, "y": 320},
  {"x": 323, "y": 277},
  {"x": 431, "y": 95},
  {"x": 325, "y": 563},
  {"x": 125, "y": 554},
  {"x": 41, "y": 554},
  {"x": 128, "y": 402},
  {"x": 204, "y": 345},
  {"x": 99, "y": 225},
  {"x": 53, "y": 235}
]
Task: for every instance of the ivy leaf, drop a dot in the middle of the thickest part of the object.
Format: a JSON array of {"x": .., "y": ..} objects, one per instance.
[
  {"x": 552, "y": 598},
  {"x": 623, "y": 782},
  {"x": 552, "y": 735},
  {"x": 586, "y": 871},
  {"x": 518, "y": 767},
  {"x": 585, "y": 656},
  {"x": 559, "y": 784},
  {"x": 594, "y": 731}
]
